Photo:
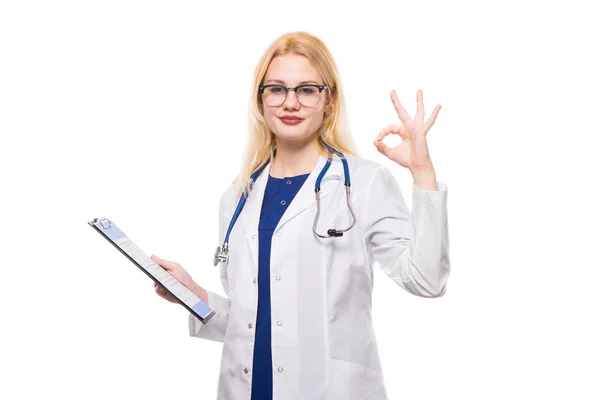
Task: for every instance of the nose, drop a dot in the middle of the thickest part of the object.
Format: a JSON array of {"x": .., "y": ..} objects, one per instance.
[{"x": 291, "y": 101}]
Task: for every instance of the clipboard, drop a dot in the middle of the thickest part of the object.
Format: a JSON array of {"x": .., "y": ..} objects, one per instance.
[{"x": 111, "y": 232}]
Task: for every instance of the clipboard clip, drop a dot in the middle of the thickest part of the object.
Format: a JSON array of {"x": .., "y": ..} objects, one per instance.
[{"x": 103, "y": 221}]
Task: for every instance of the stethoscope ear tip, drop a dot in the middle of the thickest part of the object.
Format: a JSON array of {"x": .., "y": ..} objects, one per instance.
[{"x": 334, "y": 233}]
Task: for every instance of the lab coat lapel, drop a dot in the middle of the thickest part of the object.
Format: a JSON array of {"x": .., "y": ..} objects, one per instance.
[
  {"x": 250, "y": 215},
  {"x": 305, "y": 197}
]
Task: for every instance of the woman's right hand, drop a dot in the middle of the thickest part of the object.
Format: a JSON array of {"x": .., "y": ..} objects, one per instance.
[{"x": 178, "y": 273}]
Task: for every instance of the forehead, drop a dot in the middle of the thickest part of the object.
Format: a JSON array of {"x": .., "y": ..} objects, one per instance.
[{"x": 291, "y": 69}]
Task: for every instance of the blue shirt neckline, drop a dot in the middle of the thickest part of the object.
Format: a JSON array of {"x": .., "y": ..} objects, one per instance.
[{"x": 288, "y": 177}]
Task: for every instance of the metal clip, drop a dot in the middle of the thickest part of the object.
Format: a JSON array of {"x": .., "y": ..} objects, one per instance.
[{"x": 221, "y": 254}]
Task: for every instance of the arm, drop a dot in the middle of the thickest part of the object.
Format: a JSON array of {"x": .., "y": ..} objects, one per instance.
[
  {"x": 412, "y": 248},
  {"x": 215, "y": 328}
]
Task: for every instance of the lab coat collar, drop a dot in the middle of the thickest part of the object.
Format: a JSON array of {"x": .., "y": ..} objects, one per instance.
[{"x": 304, "y": 199}]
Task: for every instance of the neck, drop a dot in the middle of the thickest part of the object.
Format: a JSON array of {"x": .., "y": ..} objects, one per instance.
[{"x": 294, "y": 159}]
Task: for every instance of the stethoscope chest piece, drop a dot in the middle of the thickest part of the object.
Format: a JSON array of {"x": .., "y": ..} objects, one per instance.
[{"x": 221, "y": 254}]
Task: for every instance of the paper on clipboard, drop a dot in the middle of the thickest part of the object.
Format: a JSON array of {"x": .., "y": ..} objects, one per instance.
[{"x": 125, "y": 245}]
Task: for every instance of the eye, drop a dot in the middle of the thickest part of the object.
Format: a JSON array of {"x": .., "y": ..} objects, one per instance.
[
  {"x": 276, "y": 89},
  {"x": 308, "y": 90}
]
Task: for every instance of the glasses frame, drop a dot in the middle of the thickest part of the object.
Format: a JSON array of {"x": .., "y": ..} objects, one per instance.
[{"x": 262, "y": 88}]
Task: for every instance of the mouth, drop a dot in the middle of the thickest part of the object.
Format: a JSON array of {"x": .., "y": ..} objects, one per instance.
[{"x": 291, "y": 120}]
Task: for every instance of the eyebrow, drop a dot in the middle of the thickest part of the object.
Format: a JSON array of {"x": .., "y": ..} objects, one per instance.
[{"x": 283, "y": 83}]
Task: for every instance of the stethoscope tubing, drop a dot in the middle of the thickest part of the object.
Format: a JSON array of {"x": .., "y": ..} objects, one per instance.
[{"x": 222, "y": 252}]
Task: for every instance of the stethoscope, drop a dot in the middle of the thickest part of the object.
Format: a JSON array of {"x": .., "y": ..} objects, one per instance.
[{"x": 222, "y": 252}]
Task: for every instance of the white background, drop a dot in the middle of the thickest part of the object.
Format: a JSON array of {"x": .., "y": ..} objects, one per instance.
[{"x": 136, "y": 110}]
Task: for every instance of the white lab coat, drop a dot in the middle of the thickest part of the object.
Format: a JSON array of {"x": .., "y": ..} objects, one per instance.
[{"x": 323, "y": 343}]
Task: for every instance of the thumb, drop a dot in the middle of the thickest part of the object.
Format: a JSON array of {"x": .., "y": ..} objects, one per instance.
[
  {"x": 168, "y": 265},
  {"x": 382, "y": 147}
]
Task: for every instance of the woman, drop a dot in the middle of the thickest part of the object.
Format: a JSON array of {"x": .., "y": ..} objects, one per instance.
[{"x": 296, "y": 322}]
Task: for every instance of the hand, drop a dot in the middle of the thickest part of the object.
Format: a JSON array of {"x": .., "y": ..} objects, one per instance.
[
  {"x": 178, "y": 273},
  {"x": 413, "y": 152}
]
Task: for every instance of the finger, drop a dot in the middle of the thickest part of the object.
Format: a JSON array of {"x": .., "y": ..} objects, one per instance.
[
  {"x": 395, "y": 129},
  {"x": 431, "y": 119},
  {"x": 420, "y": 115},
  {"x": 402, "y": 114},
  {"x": 168, "y": 265},
  {"x": 163, "y": 293},
  {"x": 166, "y": 295},
  {"x": 387, "y": 130},
  {"x": 382, "y": 148}
]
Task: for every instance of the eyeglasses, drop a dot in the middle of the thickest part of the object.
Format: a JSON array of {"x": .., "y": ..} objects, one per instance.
[{"x": 307, "y": 95}]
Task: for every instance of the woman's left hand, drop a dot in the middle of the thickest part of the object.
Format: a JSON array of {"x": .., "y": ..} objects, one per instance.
[{"x": 413, "y": 152}]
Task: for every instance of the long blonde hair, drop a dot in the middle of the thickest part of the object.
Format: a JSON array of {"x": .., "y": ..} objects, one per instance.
[{"x": 334, "y": 128}]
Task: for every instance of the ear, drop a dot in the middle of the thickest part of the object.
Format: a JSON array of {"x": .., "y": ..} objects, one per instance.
[{"x": 329, "y": 104}]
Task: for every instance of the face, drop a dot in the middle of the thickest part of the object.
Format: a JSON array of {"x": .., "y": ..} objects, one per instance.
[{"x": 290, "y": 71}]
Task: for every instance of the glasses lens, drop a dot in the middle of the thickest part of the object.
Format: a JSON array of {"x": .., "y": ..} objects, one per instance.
[
  {"x": 308, "y": 96},
  {"x": 274, "y": 96}
]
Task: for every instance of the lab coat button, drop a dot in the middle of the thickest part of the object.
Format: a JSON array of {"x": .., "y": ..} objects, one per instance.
[
  {"x": 279, "y": 323},
  {"x": 245, "y": 370},
  {"x": 280, "y": 369},
  {"x": 254, "y": 280},
  {"x": 249, "y": 326},
  {"x": 278, "y": 233},
  {"x": 253, "y": 236},
  {"x": 283, "y": 202},
  {"x": 278, "y": 277}
]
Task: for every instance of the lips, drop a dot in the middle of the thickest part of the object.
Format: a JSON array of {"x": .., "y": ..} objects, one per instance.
[{"x": 291, "y": 120}]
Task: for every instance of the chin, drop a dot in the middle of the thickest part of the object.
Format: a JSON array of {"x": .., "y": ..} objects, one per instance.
[{"x": 292, "y": 136}]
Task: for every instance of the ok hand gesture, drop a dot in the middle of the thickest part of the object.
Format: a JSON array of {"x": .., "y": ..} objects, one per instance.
[{"x": 413, "y": 152}]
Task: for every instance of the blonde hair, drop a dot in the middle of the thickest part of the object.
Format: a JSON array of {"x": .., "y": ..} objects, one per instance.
[{"x": 333, "y": 130}]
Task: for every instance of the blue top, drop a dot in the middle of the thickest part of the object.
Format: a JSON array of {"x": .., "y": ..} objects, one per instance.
[{"x": 279, "y": 193}]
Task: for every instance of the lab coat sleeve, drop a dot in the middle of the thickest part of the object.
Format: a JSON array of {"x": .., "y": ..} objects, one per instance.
[
  {"x": 214, "y": 329},
  {"x": 411, "y": 247}
]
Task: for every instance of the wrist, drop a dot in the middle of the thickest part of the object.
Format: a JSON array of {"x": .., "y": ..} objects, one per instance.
[
  {"x": 425, "y": 178},
  {"x": 200, "y": 292},
  {"x": 423, "y": 168}
]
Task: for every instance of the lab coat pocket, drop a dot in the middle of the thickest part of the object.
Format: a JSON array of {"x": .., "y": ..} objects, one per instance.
[{"x": 354, "y": 381}]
